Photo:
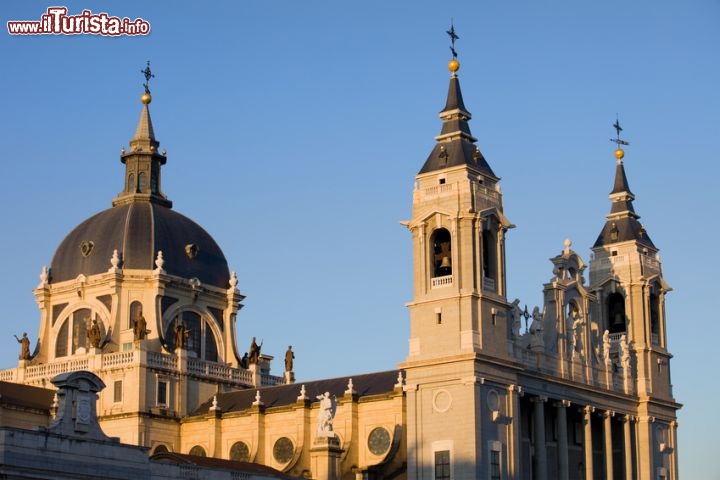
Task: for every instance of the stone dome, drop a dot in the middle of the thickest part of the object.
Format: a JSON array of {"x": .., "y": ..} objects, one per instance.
[{"x": 138, "y": 230}]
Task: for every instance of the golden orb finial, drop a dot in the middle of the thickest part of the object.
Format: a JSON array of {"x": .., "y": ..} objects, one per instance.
[
  {"x": 146, "y": 98},
  {"x": 619, "y": 153},
  {"x": 453, "y": 65}
]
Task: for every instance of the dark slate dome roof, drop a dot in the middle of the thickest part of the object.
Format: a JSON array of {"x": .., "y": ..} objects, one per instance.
[{"x": 138, "y": 230}]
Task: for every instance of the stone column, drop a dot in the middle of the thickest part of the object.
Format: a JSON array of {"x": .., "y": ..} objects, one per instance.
[
  {"x": 607, "y": 435},
  {"x": 325, "y": 458},
  {"x": 513, "y": 442},
  {"x": 673, "y": 452},
  {"x": 587, "y": 442},
  {"x": 564, "y": 473},
  {"x": 540, "y": 450},
  {"x": 628, "y": 447}
]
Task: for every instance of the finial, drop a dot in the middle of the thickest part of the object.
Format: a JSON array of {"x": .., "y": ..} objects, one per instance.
[
  {"x": 453, "y": 65},
  {"x": 214, "y": 406},
  {"x": 43, "y": 276},
  {"x": 146, "y": 97},
  {"x": 619, "y": 153},
  {"x": 400, "y": 380},
  {"x": 350, "y": 388},
  {"x": 258, "y": 400},
  {"x": 233, "y": 279},
  {"x": 159, "y": 262},
  {"x": 567, "y": 245},
  {"x": 303, "y": 394},
  {"x": 114, "y": 261}
]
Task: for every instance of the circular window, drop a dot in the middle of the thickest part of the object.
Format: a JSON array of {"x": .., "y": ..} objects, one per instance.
[
  {"x": 240, "y": 452},
  {"x": 197, "y": 451},
  {"x": 283, "y": 450},
  {"x": 378, "y": 441}
]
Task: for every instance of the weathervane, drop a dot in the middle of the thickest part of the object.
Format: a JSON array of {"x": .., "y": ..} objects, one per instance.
[
  {"x": 148, "y": 75},
  {"x": 618, "y": 129},
  {"x": 453, "y": 36}
]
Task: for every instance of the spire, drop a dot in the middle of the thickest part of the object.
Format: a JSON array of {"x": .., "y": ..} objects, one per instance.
[
  {"x": 622, "y": 223},
  {"x": 143, "y": 162},
  {"x": 455, "y": 144}
]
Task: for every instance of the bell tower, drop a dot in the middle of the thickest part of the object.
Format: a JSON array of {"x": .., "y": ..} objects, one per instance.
[
  {"x": 458, "y": 231},
  {"x": 626, "y": 274},
  {"x": 458, "y": 311},
  {"x": 626, "y": 277}
]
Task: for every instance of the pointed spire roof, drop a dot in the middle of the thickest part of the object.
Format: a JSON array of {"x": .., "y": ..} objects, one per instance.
[
  {"x": 455, "y": 145},
  {"x": 622, "y": 223},
  {"x": 143, "y": 162}
]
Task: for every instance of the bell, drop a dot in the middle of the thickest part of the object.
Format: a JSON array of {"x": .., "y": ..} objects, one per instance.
[{"x": 445, "y": 262}]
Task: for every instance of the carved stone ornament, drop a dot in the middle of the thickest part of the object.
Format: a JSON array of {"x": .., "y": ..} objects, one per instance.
[
  {"x": 86, "y": 248},
  {"x": 191, "y": 250}
]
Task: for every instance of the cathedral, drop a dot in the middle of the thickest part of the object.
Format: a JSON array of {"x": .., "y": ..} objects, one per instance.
[{"x": 143, "y": 298}]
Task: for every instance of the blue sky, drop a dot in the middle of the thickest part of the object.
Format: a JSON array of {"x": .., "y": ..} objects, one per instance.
[{"x": 294, "y": 131}]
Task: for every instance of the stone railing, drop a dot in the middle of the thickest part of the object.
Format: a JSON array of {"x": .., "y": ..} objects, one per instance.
[
  {"x": 444, "y": 281},
  {"x": 439, "y": 189},
  {"x": 49, "y": 370},
  {"x": 162, "y": 361},
  {"x": 650, "y": 263},
  {"x": 575, "y": 369},
  {"x": 134, "y": 358},
  {"x": 8, "y": 375},
  {"x": 118, "y": 359},
  {"x": 272, "y": 380},
  {"x": 612, "y": 261}
]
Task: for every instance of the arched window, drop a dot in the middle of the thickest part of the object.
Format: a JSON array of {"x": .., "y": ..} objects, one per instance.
[
  {"x": 489, "y": 260},
  {"x": 135, "y": 312},
  {"x": 161, "y": 449},
  {"x": 153, "y": 183},
  {"x": 616, "y": 313},
  {"x": 201, "y": 340},
  {"x": 240, "y": 452},
  {"x": 131, "y": 183},
  {"x": 73, "y": 332},
  {"x": 655, "y": 316},
  {"x": 197, "y": 451},
  {"x": 441, "y": 253},
  {"x": 61, "y": 340},
  {"x": 142, "y": 182}
]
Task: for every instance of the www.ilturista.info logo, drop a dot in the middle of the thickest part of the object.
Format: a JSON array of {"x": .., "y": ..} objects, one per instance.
[{"x": 57, "y": 22}]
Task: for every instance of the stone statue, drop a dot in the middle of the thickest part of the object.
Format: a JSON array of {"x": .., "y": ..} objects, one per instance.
[
  {"x": 181, "y": 335},
  {"x": 577, "y": 341},
  {"x": 326, "y": 415},
  {"x": 93, "y": 334},
  {"x": 254, "y": 352},
  {"x": 624, "y": 353},
  {"x": 606, "y": 347},
  {"x": 140, "y": 326},
  {"x": 515, "y": 314},
  {"x": 24, "y": 346},
  {"x": 244, "y": 362},
  {"x": 289, "y": 359},
  {"x": 536, "y": 330}
]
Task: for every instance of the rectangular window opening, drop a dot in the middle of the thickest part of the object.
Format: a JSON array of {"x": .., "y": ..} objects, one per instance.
[
  {"x": 117, "y": 391},
  {"x": 495, "y": 472},
  {"x": 442, "y": 465},
  {"x": 162, "y": 393}
]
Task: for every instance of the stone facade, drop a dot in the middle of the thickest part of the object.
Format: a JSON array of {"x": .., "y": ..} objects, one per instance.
[{"x": 582, "y": 392}]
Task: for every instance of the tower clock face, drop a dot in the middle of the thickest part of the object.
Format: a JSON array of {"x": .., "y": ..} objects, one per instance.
[{"x": 378, "y": 441}]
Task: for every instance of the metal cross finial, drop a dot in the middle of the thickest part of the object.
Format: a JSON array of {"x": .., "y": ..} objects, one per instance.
[
  {"x": 148, "y": 75},
  {"x": 618, "y": 129},
  {"x": 453, "y": 36}
]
